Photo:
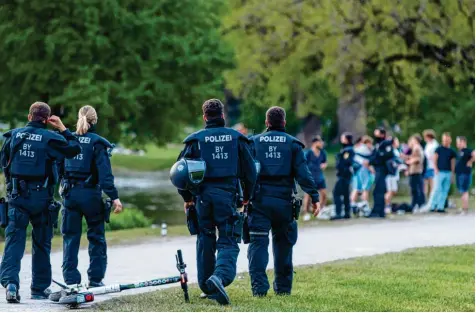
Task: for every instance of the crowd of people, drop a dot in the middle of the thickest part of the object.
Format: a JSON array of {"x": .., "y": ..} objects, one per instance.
[{"x": 431, "y": 168}]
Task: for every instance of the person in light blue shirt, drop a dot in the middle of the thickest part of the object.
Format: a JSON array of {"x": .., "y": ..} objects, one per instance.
[{"x": 363, "y": 179}]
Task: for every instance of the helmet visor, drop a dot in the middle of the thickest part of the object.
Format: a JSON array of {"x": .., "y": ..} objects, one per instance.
[{"x": 196, "y": 171}]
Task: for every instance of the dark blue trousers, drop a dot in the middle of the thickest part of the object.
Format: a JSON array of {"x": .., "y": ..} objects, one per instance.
[
  {"x": 275, "y": 214},
  {"x": 216, "y": 209},
  {"x": 379, "y": 193},
  {"x": 416, "y": 186},
  {"x": 341, "y": 194},
  {"x": 83, "y": 202},
  {"x": 30, "y": 207}
]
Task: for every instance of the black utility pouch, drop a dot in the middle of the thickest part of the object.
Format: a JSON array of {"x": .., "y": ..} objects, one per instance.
[
  {"x": 246, "y": 228},
  {"x": 238, "y": 223},
  {"x": 107, "y": 210},
  {"x": 53, "y": 213},
  {"x": 3, "y": 212},
  {"x": 192, "y": 220},
  {"x": 297, "y": 203}
]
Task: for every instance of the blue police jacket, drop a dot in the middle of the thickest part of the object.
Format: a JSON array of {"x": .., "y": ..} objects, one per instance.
[{"x": 227, "y": 154}]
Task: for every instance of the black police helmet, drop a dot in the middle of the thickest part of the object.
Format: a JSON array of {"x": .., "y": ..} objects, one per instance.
[{"x": 187, "y": 174}]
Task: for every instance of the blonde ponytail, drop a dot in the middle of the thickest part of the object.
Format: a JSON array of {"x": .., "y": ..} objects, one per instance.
[{"x": 87, "y": 116}]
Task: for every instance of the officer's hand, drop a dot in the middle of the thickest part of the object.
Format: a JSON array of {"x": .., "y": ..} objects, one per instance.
[
  {"x": 316, "y": 207},
  {"x": 117, "y": 206},
  {"x": 186, "y": 205},
  {"x": 246, "y": 202},
  {"x": 56, "y": 122}
]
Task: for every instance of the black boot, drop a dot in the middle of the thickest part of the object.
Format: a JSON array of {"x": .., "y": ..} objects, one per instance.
[
  {"x": 217, "y": 289},
  {"x": 93, "y": 284},
  {"x": 40, "y": 295},
  {"x": 12, "y": 294}
]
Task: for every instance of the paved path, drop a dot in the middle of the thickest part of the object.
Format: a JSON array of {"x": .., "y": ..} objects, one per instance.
[{"x": 315, "y": 245}]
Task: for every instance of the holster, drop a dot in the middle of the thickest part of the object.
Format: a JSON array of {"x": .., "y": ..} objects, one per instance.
[
  {"x": 107, "y": 210},
  {"x": 3, "y": 212},
  {"x": 296, "y": 204},
  {"x": 53, "y": 213},
  {"x": 192, "y": 220},
  {"x": 246, "y": 228},
  {"x": 235, "y": 229}
]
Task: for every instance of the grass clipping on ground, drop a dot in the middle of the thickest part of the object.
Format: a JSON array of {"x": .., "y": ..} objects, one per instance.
[{"x": 423, "y": 279}]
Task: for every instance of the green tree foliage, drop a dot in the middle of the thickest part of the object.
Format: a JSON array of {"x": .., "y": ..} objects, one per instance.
[
  {"x": 397, "y": 54},
  {"x": 145, "y": 65}
]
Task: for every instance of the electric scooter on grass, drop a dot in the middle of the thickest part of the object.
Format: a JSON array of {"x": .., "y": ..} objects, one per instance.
[{"x": 74, "y": 295}]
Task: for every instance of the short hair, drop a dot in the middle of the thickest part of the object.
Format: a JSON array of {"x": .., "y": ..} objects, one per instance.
[
  {"x": 359, "y": 139},
  {"x": 213, "y": 108},
  {"x": 462, "y": 138},
  {"x": 446, "y": 134},
  {"x": 40, "y": 111},
  {"x": 430, "y": 133},
  {"x": 316, "y": 138},
  {"x": 367, "y": 139},
  {"x": 382, "y": 131},
  {"x": 348, "y": 136},
  {"x": 276, "y": 116},
  {"x": 418, "y": 138}
]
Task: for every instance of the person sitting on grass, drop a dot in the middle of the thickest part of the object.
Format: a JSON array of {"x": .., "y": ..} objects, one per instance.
[
  {"x": 463, "y": 171},
  {"x": 316, "y": 159}
]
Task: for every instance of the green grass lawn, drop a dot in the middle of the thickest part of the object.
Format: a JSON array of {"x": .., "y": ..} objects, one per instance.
[
  {"x": 424, "y": 279},
  {"x": 155, "y": 159}
]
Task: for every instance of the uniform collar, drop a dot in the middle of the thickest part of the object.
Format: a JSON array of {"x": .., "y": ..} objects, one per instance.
[
  {"x": 278, "y": 129},
  {"x": 214, "y": 123},
  {"x": 36, "y": 125},
  {"x": 92, "y": 129}
]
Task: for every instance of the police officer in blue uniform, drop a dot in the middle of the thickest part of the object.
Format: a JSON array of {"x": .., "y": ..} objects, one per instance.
[
  {"x": 228, "y": 158},
  {"x": 84, "y": 178},
  {"x": 282, "y": 162},
  {"x": 345, "y": 164},
  {"x": 383, "y": 153},
  {"x": 28, "y": 157}
]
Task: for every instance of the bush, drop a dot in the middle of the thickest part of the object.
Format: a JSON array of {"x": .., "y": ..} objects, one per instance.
[{"x": 129, "y": 218}]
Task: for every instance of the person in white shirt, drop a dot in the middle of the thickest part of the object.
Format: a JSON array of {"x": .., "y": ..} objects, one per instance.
[{"x": 429, "y": 136}]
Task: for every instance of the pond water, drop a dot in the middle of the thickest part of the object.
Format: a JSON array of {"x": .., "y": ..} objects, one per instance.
[{"x": 158, "y": 199}]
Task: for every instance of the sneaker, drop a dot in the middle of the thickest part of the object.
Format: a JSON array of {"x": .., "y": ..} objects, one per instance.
[
  {"x": 214, "y": 283},
  {"x": 93, "y": 284},
  {"x": 40, "y": 295},
  {"x": 306, "y": 217},
  {"x": 203, "y": 295},
  {"x": 12, "y": 294}
]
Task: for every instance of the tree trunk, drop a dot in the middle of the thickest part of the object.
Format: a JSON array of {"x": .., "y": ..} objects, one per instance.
[
  {"x": 311, "y": 128},
  {"x": 351, "y": 113}
]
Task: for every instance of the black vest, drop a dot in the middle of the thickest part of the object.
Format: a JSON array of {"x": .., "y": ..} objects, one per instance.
[
  {"x": 345, "y": 162},
  {"x": 83, "y": 162},
  {"x": 219, "y": 149},
  {"x": 30, "y": 148},
  {"x": 274, "y": 153}
]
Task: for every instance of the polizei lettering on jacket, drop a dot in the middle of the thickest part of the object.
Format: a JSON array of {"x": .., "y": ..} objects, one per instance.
[
  {"x": 272, "y": 139},
  {"x": 219, "y": 138},
  {"x": 32, "y": 137}
]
